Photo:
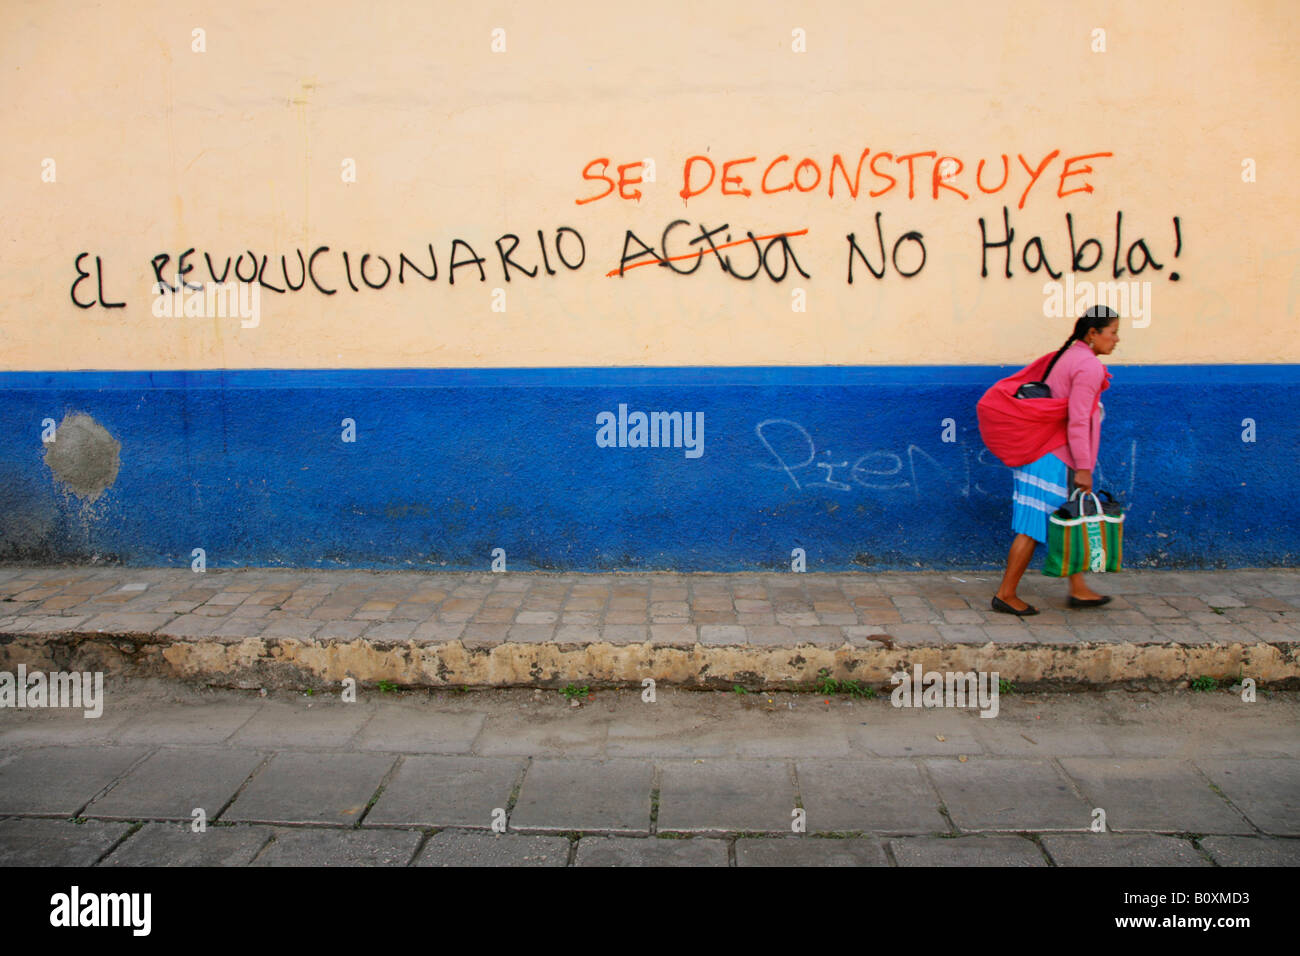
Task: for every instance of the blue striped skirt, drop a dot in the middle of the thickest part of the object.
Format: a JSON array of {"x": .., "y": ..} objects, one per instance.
[{"x": 1038, "y": 489}]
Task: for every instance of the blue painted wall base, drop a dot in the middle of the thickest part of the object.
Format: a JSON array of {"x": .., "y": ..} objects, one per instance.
[{"x": 849, "y": 464}]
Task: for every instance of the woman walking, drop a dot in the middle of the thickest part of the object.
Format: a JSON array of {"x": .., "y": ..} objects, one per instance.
[{"x": 1043, "y": 485}]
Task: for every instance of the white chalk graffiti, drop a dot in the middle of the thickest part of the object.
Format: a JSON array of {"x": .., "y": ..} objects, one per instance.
[{"x": 882, "y": 470}]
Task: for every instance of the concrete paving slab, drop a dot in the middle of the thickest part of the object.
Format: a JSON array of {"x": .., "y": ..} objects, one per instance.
[
  {"x": 903, "y": 732},
  {"x": 650, "y": 851},
  {"x": 582, "y": 794},
  {"x": 169, "y": 844},
  {"x": 27, "y": 728},
  {"x": 471, "y": 848},
  {"x": 437, "y": 632},
  {"x": 1121, "y": 849},
  {"x": 1200, "y": 727},
  {"x": 60, "y": 780},
  {"x": 1252, "y": 851},
  {"x": 56, "y": 842},
  {"x": 750, "y": 729},
  {"x": 1032, "y": 739},
  {"x": 171, "y": 783},
  {"x": 1266, "y": 791},
  {"x": 203, "y": 723},
  {"x": 1224, "y": 739},
  {"x": 311, "y": 788},
  {"x": 1139, "y": 742},
  {"x": 305, "y": 723},
  {"x": 340, "y": 848},
  {"x": 125, "y": 623},
  {"x": 439, "y": 791},
  {"x": 877, "y": 795},
  {"x": 987, "y": 793},
  {"x": 810, "y": 851},
  {"x": 409, "y": 727},
  {"x": 966, "y": 851},
  {"x": 391, "y": 632},
  {"x": 190, "y": 625},
  {"x": 293, "y": 627},
  {"x": 578, "y": 732},
  {"x": 1161, "y": 795},
  {"x": 725, "y": 795}
]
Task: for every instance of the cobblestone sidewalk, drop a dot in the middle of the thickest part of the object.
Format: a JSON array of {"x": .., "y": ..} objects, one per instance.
[{"x": 484, "y": 609}]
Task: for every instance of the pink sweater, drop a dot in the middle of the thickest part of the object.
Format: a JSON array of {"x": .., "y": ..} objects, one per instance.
[{"x": 1078, "y": 376}]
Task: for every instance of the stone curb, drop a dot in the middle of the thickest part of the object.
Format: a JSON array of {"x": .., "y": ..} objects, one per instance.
[{"x": 289, "y": 662}]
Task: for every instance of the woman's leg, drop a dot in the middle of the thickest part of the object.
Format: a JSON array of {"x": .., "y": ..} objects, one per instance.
[
  {"x": 1018, "y": 558},
  {"x": 1079, "y": 588}
]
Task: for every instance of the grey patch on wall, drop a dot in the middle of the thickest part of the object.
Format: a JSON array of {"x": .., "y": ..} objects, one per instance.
[{"x": 84, "y": 457}]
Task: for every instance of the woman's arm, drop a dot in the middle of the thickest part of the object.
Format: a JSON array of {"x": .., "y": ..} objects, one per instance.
[{"x": 1084, "y": 385}]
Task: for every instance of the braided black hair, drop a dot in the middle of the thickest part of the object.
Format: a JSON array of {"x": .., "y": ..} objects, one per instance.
[{"x": 1095, "y": 319}]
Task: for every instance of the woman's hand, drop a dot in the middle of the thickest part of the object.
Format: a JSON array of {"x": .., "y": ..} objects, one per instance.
[{"x": 1083, "y": 479}]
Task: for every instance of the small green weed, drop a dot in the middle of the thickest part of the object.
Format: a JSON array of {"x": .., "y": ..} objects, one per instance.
[
  {"x": 387, "y": 687},
  {"x": 739, "y": 691},
  {"x": 825, "y": 684},
  {"x": 574, "y": 692},
  {"x": 855, "y": 689},
  {"x": 828, "y": 686},
  {"x": 1005, "y": 687},
  {"x": 1205, "y": 683}
]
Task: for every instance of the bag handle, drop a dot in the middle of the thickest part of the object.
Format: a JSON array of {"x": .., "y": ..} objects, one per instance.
[
  {"x": 1095, "y": 500},
  {"x": 1110, "y": 499}
]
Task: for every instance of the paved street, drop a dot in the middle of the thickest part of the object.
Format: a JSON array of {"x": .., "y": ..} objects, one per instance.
[{"x": 1183, "y": 778}]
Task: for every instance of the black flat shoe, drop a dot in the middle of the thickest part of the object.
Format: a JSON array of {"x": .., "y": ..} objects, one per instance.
[
  {"x": 1003, "y": 607},
  {"x": 1080, "y": 602}
]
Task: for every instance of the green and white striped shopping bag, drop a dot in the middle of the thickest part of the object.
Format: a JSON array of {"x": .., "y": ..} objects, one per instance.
[{"x": 1079, "y": 540}]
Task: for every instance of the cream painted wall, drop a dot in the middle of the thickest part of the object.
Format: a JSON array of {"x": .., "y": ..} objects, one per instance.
[{"x": 158, "y": 148}]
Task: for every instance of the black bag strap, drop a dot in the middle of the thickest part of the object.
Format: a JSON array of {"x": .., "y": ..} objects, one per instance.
[{"x": 1056, "y": 358}]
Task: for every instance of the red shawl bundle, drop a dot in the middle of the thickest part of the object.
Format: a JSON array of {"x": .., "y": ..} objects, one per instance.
[{"x": 1021, "y": 430}]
